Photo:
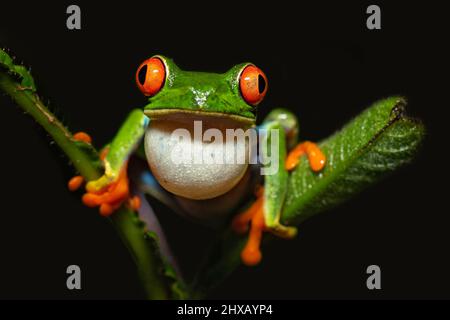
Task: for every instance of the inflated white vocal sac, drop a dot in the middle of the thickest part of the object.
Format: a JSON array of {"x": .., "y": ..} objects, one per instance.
[{"x": 192, "y": 157}]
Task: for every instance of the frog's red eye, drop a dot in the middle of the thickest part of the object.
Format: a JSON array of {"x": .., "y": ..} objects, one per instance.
[
  {"x": 150, "y": 76},
  {"x": 253, "y": 84}
]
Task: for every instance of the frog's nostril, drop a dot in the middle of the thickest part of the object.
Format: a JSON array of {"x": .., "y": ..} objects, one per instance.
[
  {"x": 261, "y": 84},
  {"x": 142, "y": 74}
]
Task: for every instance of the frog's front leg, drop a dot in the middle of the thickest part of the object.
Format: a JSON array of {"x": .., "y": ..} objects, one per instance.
[
  {"x": 280, "y": 129},
  {"x": 111, "y": 190}
]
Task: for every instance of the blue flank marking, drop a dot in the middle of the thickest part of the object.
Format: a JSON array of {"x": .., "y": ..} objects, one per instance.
[
  {"x": 146, "y": 121},
  {"x": 151, "y": 187},
  {"x": 149, "y": 180}
]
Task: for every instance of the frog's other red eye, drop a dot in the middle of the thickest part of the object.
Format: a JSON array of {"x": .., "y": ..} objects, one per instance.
[
  {"x": 253, "y": 84},
  {"x": 150, "y": 76}
]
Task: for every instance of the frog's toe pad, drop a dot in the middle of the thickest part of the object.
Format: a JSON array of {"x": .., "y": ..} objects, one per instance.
[
  {"x": 75, "y": 183},
  {"x": 82, "y": 136},
  {"x": 251, "y": 256}
]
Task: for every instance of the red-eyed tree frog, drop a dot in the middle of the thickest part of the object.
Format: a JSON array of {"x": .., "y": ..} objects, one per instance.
[{"x": 179, "y": 99}]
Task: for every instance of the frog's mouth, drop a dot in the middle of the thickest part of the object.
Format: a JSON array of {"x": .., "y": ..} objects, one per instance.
[{"x": 183, "y": 114}]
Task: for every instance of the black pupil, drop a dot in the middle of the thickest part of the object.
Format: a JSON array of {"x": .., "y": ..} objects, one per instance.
[
  {"x": 261, "y": 83},
  {"x": 141, "y": 75}
]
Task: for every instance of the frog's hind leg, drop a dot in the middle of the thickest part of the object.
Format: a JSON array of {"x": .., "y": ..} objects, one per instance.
[
  {"x": 241, "y": 221},
  {"x": 279, "y": 129}
]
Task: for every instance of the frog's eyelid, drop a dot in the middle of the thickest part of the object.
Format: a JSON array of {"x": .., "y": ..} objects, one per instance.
[
  {"x": 237, "y": 80},
  {"x": 239, "y": 73}
]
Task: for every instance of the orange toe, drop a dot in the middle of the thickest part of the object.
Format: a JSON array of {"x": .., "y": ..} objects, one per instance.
[
  {"x": 251, "y": 256},
  {"x": 293, "y": 157},
  {"x": 82, "y": 136},
  {"x": 91, "y": 200},
  {"x": 75, "y": 183},
  {"x": 315, "y": 156},
  {"x": 135, "y": 203},
  {"x": 106, "y": 209}
]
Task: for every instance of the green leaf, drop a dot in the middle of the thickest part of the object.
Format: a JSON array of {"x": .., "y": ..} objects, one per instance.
[
  {"x": 17, "y": 82},
  {"x": 374, "y": 144}
]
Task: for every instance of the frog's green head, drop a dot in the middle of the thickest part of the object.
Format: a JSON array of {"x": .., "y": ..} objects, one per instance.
[{"x": 234, "y": 94}]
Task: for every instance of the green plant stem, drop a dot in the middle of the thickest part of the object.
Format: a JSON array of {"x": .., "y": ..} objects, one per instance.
[
  {"x": 124, "y": 220},
  {"x": 146, "y": 260},
  {"x": 29, "y": 102}
]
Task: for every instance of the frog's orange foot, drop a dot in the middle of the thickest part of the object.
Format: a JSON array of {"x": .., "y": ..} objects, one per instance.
[
  {"x": 315, "y": 156},
  {"x": 77, "y": 181},
  {"x": 251, "y": 254},
  {"x": 110, "y": 198}
]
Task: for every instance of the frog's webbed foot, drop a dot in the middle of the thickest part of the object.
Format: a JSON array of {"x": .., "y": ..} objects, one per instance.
[
  {"x": 315, "y": 156},
  {"x": 106, "y": 193}
]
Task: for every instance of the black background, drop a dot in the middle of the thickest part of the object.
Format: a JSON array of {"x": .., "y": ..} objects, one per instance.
[{"x": 321, "y": 62}]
